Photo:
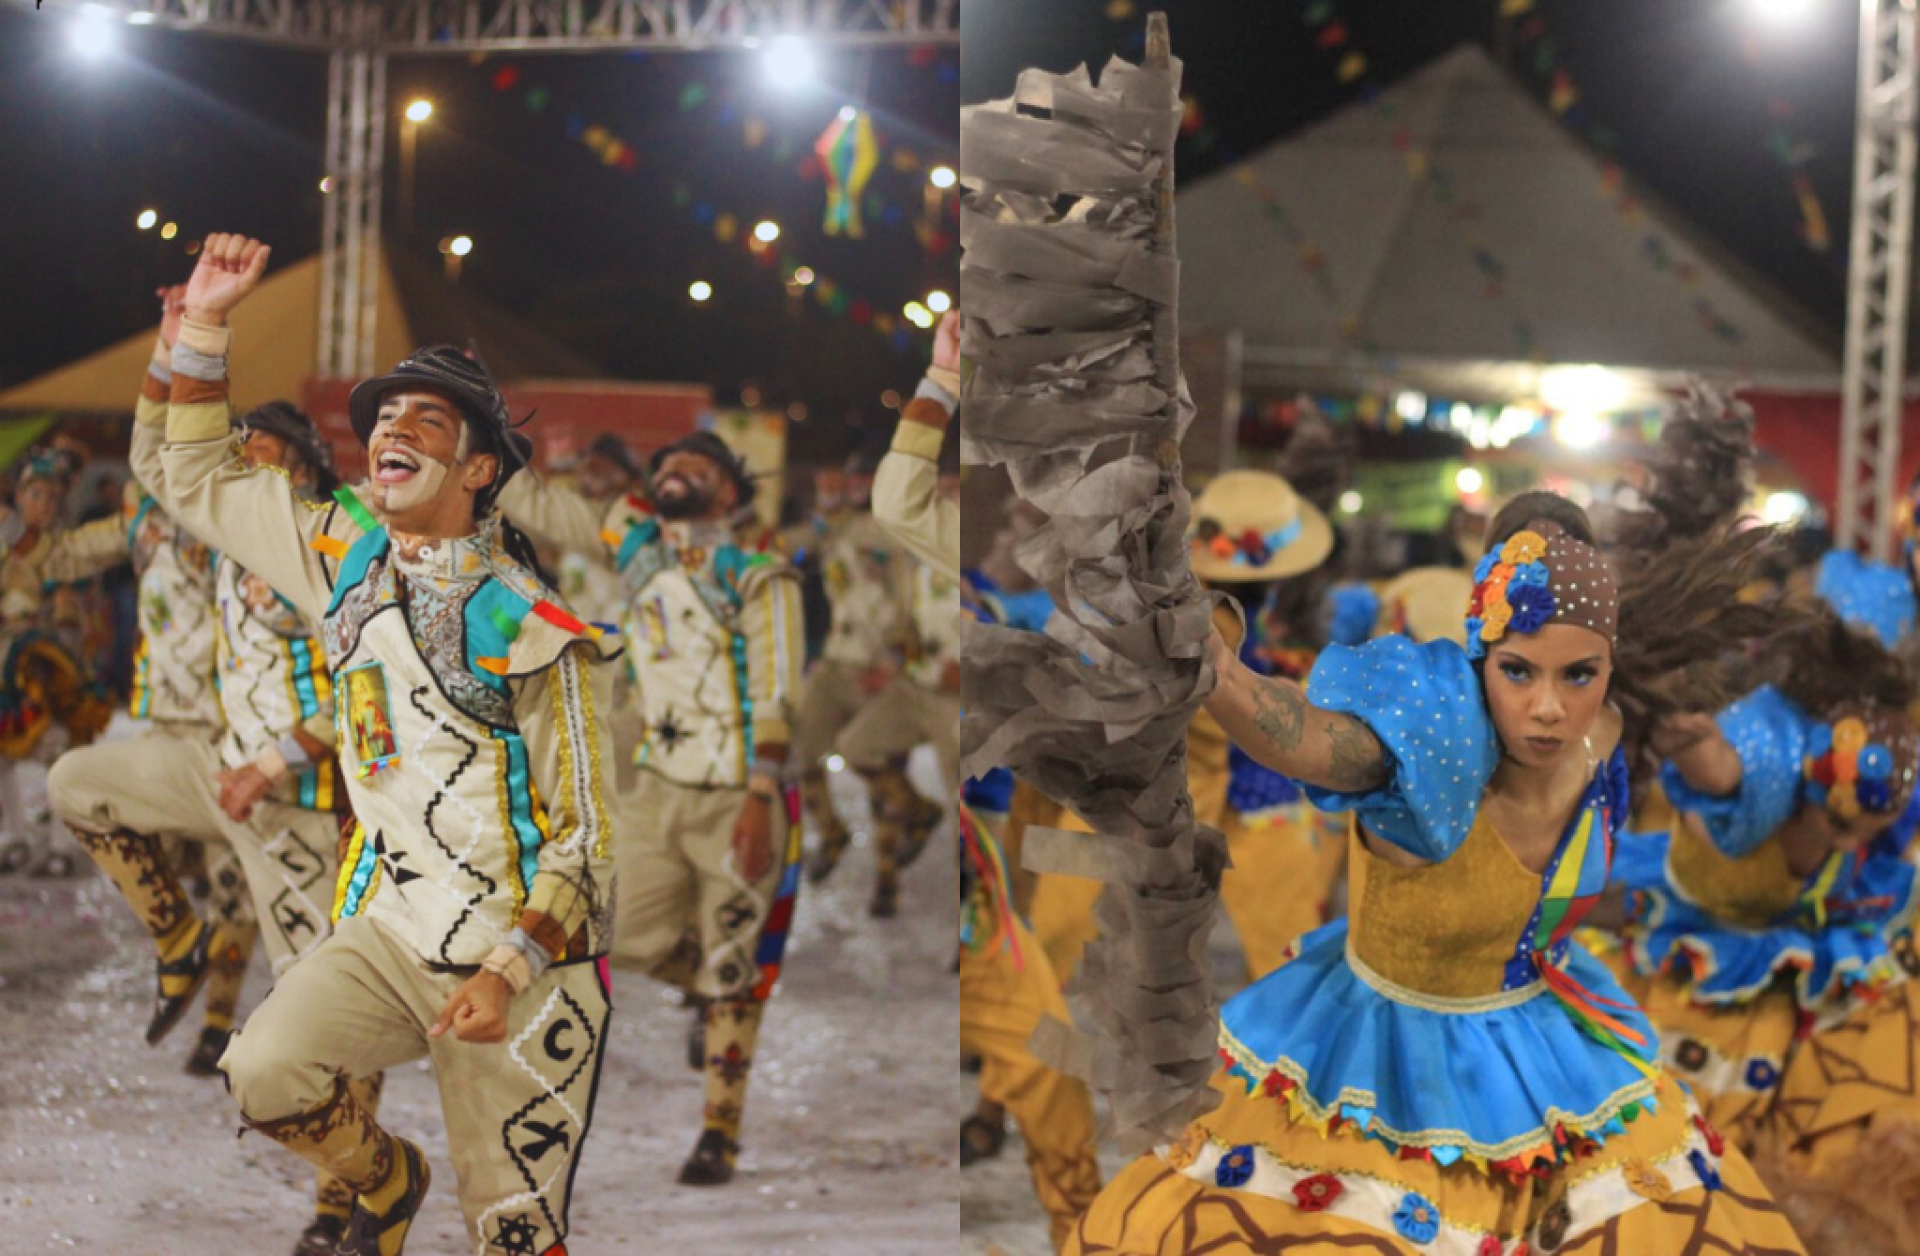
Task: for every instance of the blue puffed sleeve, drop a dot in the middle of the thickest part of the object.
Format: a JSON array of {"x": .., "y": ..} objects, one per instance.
[
  {"x": 1424, "y": 704},
  {"x": 1770, "y": 733},
  {"x": 1355, "y": 607},
  {"x": 1867, "y": 594}
]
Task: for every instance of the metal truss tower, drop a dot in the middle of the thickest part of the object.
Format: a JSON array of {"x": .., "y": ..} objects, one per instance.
[
  {"x": 1878, "y": 277},
  {"x": 359, "y": 35}
]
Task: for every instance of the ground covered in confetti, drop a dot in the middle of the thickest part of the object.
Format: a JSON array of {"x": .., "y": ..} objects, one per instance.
[{"x": 109, "y": 1146}]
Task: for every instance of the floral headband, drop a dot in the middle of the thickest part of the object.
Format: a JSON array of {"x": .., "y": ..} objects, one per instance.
[
  {"x": 1251, "y": 549},
  {"x": 1861, "y": 764},
  {"x": 1541, "y": 575}
]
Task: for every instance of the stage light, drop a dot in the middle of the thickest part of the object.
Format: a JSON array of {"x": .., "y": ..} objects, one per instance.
[
  {"x": 1782, "y": 508},
  {"x": 918, "y": 314},
  {"x": 699, "y": 289},
  {"x": 1351, "y": 502},
  {"x": 1580, "y": 429},
  {"x": 767, "y": 232},
  {"x": 92, "y": 36},
  {"x": 419, "y": 111},
  {"x": 789, "y": 62},
  {"x": 326, "y": 185},
  {"x": 140, "y": 17},
  {"x": 939, "y": 302},
  {"x": 1469, "y": 480},
  {"x": 1590, "y": 389},
  {"x": 942, "y": 177},
  {"x": 146, "y": 220},
  {"x": 461, "y": 246},
  {"x": 169, "y": 231},
  {"x": 803, "y": 275},
  {"x": 1411, "y": 406},
  {"x": 1781, "y": 13},
  {"x": 848, "y": 113}
]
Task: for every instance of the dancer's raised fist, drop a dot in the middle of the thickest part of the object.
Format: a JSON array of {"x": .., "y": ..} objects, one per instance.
[{"x": 230, "y": 268}]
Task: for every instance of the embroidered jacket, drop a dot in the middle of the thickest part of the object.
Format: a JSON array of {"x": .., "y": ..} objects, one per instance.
[
  {"x": 267, "y": 667},
  {"x": 864, "y": 570},
  {"x": 466, "y": 725},
  {"x": 714, "y": 632}
]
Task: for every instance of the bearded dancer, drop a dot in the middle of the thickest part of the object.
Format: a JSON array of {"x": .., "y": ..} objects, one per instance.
[
  {"x": 474, "y": 896},
  {"x": 715, "y": 637}
]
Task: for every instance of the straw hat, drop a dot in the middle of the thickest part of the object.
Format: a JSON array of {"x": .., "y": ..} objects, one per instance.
[
  {"x": 1251, "y": 525},
  {"x": 1427, "y": 604}
]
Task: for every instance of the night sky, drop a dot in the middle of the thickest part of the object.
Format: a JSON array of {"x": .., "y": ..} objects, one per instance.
[
  {"x": 1691, "y": 90},
  {"x": 220, "y": 134}
]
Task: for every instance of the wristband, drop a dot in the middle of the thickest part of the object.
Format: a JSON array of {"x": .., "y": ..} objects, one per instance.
[
  {"x": 204, "y": 338},
  {"x": 272, "y": 764},
  {"x": 294, "y": 753},
  {"x": 507, "y": 963},
  {"x": 768, "y": 768},
  {"x": 940, "y": 385}
]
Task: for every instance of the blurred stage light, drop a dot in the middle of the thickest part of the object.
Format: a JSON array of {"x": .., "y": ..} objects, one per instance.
[
  {"x": 1411, "y": 406},
  {"x": 700, "y": 290},
  {"x": 803, "y": 275},
  {"x": 1580, "y": 429},
  {"x": 1590, "y": 389},
  {"x": 169, "y": 231},
  {"x": 1351, "y": 502},
  {"x": 92, "y": 36},
  {"x": 146, "y": 220},
  {"x": 1469, "y": 480},
  {"x": 848, "y": 113},
  {"x": 918, "y": 314},
  {"x": 788, "y": 62},
  {"x": 419, "y": 111},
  {"x": 1781, "y": 13},
  {"x": 141, "y": 17},
  {"x": 326, "y": 185},
  {"x": 767, "y": 232},
  {"x": 1785, "y": 508},
  {"x": 939, "y": 302},
  {"x": 461, "y": 246},
  {"x": 943, "y": 177}
]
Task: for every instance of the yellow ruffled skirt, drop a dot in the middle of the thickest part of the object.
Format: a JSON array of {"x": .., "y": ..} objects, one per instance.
[{"x": 1248, "y": 1178}]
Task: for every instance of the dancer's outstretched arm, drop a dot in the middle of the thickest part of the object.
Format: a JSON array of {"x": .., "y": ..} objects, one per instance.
[{"x": 1272, "y": 721}]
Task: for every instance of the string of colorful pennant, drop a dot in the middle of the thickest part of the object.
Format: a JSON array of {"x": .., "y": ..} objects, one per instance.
[
  {"x": 1532, "y": 36},
  {"x": 1333, "y": 36},
  {"x": 731, "y": 228},
  {"x": 853, "y": 203}
]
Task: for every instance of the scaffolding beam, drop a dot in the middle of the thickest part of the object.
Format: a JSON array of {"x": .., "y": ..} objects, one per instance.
[
  {"x": 350, "y": 221},
  {"x": 532, "y": 26},
  {"x": 1878, "y": 275}
]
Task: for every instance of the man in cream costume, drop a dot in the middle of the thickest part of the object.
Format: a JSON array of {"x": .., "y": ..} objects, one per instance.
[
  {"x": 714, "y": 634},
  {"x": 865, "y": 572},
  {"x": 239, "y": 756},
  {"x": 475, "y": 894}
]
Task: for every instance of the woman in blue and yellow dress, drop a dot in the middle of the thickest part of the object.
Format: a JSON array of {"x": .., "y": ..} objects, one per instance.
[
  {"x": 1771, "y": 938},
  {"x": 1445, "y": 1071}
]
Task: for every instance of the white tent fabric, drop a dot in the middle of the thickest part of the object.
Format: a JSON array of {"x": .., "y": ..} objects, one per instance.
[{"x": 1399, "y": 255}]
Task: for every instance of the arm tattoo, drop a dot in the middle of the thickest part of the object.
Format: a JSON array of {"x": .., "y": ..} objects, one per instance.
[
  {"x": 1356, "y": 760},
  {"x": 1279, "y": 712}
]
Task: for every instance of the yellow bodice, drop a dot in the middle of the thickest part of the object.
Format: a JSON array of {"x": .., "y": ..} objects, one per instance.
[
  {"x": 1749, "y": 892},
  {"x": 1445, "y": 930}
]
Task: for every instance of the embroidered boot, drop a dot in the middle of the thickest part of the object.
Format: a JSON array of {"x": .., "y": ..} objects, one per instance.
[
  {"x": 227, "y": 971},
  {"x": 834, "y": 837},
  {"x": 136, "y": 864},
  {"x": 388, "y": 1175},
  {"x": 333, "y": 1198},
  {"x": 733, "y": 1026}
]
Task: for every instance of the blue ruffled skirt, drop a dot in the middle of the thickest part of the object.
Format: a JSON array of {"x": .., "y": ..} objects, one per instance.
[
  {"x": 1728, "y": 964},
  {"x": 1515, "y": 1081}
]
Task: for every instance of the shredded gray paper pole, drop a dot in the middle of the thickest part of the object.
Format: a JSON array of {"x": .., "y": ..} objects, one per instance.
[{"x": 1068, "y": 284}]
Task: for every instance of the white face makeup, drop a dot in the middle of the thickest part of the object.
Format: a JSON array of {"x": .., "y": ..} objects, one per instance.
[{"x": 405, "y": 479}]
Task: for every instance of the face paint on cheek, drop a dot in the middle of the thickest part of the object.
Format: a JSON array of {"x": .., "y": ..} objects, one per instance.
[{"x": 422, "y": 488}]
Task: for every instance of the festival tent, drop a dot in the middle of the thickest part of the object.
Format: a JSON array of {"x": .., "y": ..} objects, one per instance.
[
  {"x": 1451, "y": 238},
  {"x": 276, "y": 336}
]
